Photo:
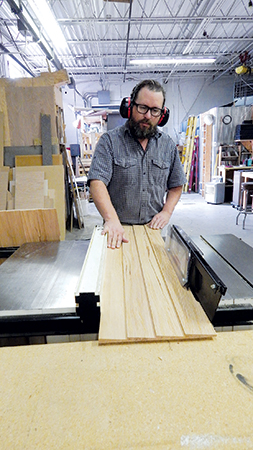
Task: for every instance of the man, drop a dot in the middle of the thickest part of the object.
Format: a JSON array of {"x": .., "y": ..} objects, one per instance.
[{"x": 134, "y": 166}]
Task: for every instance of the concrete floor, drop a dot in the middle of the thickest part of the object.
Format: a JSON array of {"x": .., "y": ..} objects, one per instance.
[{"x": 193, "y": 214}]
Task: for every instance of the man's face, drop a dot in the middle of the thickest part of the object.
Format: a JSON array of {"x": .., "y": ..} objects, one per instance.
[{"x": 144, "y": 125}]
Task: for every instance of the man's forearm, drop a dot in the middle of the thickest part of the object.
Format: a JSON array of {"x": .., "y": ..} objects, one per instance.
[
  {"x": 101, "y": 198},
  {"x": 172, "y": 199},
  {"x": 112, "y": 225}
]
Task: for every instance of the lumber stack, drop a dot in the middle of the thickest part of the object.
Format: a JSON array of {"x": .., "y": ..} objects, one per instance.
[
  {"x": 31, "y": 167},
  {"x": 141, "y": 298}
]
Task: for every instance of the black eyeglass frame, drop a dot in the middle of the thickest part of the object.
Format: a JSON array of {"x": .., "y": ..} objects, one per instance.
[{"x": 148, "y": 109}]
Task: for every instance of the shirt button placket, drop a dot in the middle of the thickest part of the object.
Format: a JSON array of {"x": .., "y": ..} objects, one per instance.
[{"x": 144, "y": 191}]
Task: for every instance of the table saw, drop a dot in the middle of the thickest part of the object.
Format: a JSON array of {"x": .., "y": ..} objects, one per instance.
[{"x": 38, "y": 283}]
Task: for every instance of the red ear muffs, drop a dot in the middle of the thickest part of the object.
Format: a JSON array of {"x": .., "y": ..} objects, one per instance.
[
  {"x": 126, "y": 108},
  {"x": 126, "y": 111},
  {"x": 164, "y": 117}
]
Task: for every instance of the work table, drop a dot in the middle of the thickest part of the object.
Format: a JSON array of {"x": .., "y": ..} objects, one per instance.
[{"x": 177, "y": 395}]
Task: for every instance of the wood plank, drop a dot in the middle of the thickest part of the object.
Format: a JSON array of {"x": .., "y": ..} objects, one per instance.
[
  {"x": 191, "y": 315},
  {"x": 1, "y": 139},
  {"x": 20, "y": 226},
  {"x": 139, "y": 322},
  {"x": 165, "y": 319},
  {"x": 139, "y": 279},
  {"x": 29, "y": 190},
  {"x": 3, "y": 108},
  {"x": 112, "y": 323},
  {"x": 4, "y": 177},
  {"x": 35, "y": 160}
]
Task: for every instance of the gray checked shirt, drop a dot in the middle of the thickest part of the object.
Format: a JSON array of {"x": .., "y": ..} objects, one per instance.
[{"x": 136, "y": 180}]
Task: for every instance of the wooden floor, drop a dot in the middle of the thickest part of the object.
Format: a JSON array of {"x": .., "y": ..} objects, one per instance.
[{"x": 141, "y": 297}]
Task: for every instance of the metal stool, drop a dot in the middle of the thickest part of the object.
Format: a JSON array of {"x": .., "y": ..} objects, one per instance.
[{"x": 244, "y": 208}]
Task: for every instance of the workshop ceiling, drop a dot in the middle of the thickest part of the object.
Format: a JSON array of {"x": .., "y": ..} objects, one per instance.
[{"x": 103, "y": 36}]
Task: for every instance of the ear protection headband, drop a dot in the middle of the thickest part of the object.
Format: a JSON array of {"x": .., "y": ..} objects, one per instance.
[{"x": 126, "y": 111}]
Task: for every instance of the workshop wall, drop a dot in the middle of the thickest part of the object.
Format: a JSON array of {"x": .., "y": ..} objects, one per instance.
[{"x": 184, "y": 97}]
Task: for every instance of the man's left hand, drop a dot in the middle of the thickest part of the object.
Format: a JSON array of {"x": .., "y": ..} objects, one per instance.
[{"x": 160, "y": 220}]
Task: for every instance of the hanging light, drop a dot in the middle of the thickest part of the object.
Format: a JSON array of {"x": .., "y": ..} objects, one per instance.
[{"x": 250, "y": 4}]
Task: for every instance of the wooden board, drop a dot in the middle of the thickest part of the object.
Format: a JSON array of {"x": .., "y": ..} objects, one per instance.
[
  {"x": 113, "y": 325},
  {"x": 29, "y": 190},
  {"x": 4, "y": 176},
  {"x": 25, "y": 105},
  {"x": 55, "y": 177},
  {"x": 150, "y": 301},
  {"x": 1, "y": 139},
  {"x": 3, "y": 109},
  {"x": 37, "y": 225},
  {"x": 138, "y": 315},
  {"x": 35, "y": 160},
  {"x": 190, "y": 313}
]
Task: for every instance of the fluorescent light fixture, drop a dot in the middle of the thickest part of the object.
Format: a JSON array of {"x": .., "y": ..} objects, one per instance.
[
  {"x": 48, "y": 21},
  {"x": 172, "y": 61}
]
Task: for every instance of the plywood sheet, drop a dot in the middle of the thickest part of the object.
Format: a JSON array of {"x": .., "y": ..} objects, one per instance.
[
  {"x": 29, "y": 190},
  {"x": 154, "y": 304},
  {"x": 37, "y": 225},
  {"x": 25, "y": 105},
  {"x": 55, "y": 177}
]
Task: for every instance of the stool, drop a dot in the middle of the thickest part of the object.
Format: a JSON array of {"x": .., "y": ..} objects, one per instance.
[{"x": 244, "y": 208}]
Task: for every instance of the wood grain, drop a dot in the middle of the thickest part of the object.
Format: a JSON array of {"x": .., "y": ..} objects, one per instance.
[
  {"x": 190, "y": 313},
  {"x": 165, "y": 319},
  {"x": 139, "y": 322},
  {"x": 142, "y": 298},
  {"x": 29, "y": 190},
  {"x": 20, "y": 226},
  {"x": 55, "y": 177},
  {"x": 112, "y": 324},
  {"x": 35, "y": 160}
]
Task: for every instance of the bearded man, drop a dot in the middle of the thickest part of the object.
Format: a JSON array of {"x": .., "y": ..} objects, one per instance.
[{"x": 136, "y": 176}]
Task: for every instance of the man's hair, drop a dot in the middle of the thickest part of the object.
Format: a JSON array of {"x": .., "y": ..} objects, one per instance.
[{"x": 152, "y": 85}]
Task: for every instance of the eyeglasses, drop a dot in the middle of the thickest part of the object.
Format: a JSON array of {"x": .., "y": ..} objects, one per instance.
[{"x": 143, "y": 109}]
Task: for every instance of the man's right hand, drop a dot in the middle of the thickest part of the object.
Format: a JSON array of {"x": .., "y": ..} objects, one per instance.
[{"x": 115, "y": 233}]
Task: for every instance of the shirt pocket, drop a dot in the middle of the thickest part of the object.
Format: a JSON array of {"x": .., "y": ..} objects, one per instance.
[
  {"x": 125, "y": 171},
  {"x": 159, "y": 172}
]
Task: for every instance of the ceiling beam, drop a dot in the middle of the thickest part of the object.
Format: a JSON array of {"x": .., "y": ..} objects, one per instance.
[
  {"x": 160, "y": 41},
  {"x": 154, "y": 20}
]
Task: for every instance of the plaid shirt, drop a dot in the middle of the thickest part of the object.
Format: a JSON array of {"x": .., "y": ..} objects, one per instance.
[{"x": 136, "y": 180}]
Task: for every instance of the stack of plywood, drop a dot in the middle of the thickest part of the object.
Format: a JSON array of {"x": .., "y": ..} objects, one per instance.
[
  {"x": 23, "y": 100},
  {"x": 25, "y": 183}
]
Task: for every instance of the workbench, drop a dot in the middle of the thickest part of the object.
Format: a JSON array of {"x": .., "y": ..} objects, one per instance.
[{"x": 159, "y": 396}]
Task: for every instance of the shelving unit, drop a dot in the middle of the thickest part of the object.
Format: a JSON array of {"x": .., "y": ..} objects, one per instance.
[{"x": 229, "y": 155}]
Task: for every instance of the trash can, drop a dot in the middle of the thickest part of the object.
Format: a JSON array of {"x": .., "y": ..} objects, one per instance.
[{"x": 215, "y": 192}]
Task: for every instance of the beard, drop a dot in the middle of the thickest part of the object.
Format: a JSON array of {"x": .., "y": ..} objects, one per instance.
[{"x": 142, "y": 133}]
